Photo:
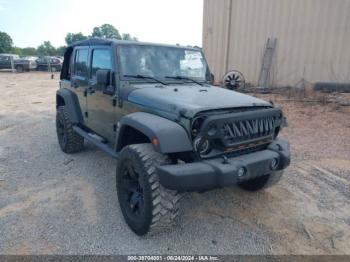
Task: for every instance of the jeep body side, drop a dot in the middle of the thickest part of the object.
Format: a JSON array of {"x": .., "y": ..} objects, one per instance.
[{"x": 153, "y": 108}]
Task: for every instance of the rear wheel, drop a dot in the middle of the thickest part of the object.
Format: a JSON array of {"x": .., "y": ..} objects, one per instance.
[
  {"x": 19, "y": 69},
  {"x": 70, "y": 142},
  {"x": 146, "y": 205},
  {"x": 261, "y": 182}
]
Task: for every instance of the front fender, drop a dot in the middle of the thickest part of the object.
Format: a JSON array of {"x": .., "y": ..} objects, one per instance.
[
  {"x": 72, "y": 104},
  {"x": 172, "y": 138}
]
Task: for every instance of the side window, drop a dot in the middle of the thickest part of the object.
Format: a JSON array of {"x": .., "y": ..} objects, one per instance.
[
  {"x": 81, "y": 62},
  {"x": 4, "y": 58},
  {"x": 101, "y": 59}
]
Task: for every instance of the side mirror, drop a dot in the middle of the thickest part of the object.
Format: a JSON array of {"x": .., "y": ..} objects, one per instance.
[{"x": 103, "y": 77}]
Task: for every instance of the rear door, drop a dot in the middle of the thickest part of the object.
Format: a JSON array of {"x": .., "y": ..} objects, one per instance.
[
  {"x": 101, "y": 108},
  {"x": 80, "y": 77}
]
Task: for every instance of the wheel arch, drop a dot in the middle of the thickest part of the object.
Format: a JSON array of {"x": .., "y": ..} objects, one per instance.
[
  {"x": 65, "y": 97},
  {"x": 165, "y": 135}
]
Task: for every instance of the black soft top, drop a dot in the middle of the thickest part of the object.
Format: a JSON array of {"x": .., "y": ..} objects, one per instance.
[
  {"x": 92, "y": 42},
  {"x": 103, "y": 41}
]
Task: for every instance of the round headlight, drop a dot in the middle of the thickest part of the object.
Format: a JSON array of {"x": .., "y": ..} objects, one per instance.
[
  {"x": 202, "y": 147},
  {"x": 196, "y": 126}
]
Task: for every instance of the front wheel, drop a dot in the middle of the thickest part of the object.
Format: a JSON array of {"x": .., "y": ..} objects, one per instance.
[
  {"x": 146, "y": 205},
  {"x": 70, "y": 142},
  {"x": 19, "y": 69},
  {"x": 261, "y": 182}
]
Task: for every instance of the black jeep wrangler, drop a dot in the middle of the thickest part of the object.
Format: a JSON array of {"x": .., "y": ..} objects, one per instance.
[{"x": 153, "y": 108}]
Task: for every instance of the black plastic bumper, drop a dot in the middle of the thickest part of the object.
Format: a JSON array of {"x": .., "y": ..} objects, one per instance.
[{"x": 213, "y": 173}]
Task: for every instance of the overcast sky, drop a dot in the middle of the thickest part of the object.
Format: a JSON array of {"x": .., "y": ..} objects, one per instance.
[{"x": 29, "y": 23}]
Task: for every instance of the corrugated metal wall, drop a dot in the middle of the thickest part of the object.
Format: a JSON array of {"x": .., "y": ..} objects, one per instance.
[{"x": 313, "y": 38}]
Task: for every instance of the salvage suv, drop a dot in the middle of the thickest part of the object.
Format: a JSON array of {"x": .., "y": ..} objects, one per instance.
[{"x": 153, "y": 108}]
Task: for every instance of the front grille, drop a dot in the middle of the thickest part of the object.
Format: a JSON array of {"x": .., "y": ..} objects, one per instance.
[
  {"x": 241, "y": 132},
  {"x": 247, "y": 130}
]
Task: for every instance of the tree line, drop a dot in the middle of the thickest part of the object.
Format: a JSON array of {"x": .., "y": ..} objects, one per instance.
[{"x": 47, "y": 49}]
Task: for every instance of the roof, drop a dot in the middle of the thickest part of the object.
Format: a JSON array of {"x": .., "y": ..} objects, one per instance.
[{"x": 102, "y": 41}]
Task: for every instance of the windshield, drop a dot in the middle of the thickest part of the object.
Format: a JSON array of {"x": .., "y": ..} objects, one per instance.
[{"x": 162, "y": 62}]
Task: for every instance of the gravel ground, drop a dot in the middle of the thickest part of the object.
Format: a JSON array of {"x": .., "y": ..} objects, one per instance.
[{"x": 54, "y": 203}]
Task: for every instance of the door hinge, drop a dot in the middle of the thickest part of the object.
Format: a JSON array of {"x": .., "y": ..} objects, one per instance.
[
  {"x": 86, "y": 114},
  {"x": 115, "y": 128}
]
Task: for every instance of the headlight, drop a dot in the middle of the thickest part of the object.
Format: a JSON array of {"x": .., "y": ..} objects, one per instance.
[
  {"x": 202, "y": 147},
  {"x": 196, "y": 126}
]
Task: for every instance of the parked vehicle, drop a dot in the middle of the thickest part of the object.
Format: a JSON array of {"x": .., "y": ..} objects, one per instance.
[
  {"x": 20, "y": 64},
  {"x": 33, "y": 58},
  {"x": 45, "y": 62},
  {"x": 154, "y": 109}
]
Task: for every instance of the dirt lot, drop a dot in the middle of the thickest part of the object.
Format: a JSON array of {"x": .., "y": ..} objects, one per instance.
[{"x": 53, "y": 203}]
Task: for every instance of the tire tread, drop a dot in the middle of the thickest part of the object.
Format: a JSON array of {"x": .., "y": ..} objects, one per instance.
[
  {"x": 165, "y": 202},
  {"x": 75, "y": 142}
]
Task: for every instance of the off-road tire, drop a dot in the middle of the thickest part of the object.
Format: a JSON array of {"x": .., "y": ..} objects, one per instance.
[
  {"x": 70, "y": 141},
  {"x": 160, "y": 205},
  {"x": 262, "y": 182}
]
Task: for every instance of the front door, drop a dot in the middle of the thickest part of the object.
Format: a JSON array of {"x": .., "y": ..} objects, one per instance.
[
  {"x": 101, "y": 109},
  {"x": 80, "y": 77},
  {"x": 5, "y": 62}
]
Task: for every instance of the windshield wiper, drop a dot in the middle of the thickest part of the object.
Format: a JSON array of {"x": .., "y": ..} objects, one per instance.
[
  {"x": 184, "y": 78},
  {"x": 146, "y": 77}
]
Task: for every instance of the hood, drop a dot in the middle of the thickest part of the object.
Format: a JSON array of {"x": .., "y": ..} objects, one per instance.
[{"x": 189, "y": 99}]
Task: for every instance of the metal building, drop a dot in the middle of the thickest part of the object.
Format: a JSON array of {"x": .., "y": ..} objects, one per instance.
[{"x": 313, "y": 39}]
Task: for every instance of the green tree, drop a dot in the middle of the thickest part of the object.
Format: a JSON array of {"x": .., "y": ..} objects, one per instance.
[
  {"x": 5, "y": 43},
  {"x": 128, "y": 37},
  {"x": 74, "y": 37},
  {"x": 60, "y": 50},
  {"x": 17, "y": 50},
  {"x": 106, "y": 31},
  {"x": 46, "y": 49},
  {"x": 29, "y": 51}
]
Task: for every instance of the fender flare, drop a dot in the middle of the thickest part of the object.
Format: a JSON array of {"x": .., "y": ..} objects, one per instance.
[
  {"x": 172, "y": 138},
  {"x": 72, "y": 104}
]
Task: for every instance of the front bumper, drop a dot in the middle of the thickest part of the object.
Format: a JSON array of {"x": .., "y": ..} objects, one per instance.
[{"x": 214, "y": 173}]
